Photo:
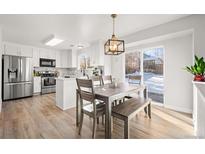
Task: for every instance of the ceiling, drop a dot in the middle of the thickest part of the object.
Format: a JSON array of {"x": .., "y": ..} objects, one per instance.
[{"x": 74, "y": 29}]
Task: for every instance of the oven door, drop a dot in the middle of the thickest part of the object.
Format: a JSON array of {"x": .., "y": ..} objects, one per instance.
[{"x": 48, "y": 82}]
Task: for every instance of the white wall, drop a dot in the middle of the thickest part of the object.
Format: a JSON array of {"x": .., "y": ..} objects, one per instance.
[
  {"x": 0, "y": 67},
  {"x": 118, "y": 67},
  {"x": 195, "y": 22},
  {"x": 177, "y": 82}
]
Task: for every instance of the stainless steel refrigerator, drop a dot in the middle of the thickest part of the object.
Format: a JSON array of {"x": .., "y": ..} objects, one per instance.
[{"x": 16, "y": 77}]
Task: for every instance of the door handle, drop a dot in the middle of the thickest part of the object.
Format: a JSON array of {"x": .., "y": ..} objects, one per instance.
[{"x": 19, "y": 83}]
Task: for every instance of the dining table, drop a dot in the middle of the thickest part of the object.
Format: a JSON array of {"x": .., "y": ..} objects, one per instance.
[{"x": 109, "y": 93}]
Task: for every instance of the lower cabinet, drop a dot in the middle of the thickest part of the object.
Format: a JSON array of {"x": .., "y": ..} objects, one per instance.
[{"x": 36, "y": 84}]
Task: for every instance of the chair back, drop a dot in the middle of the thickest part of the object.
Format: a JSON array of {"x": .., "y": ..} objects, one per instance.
[
  {"x": 97, "y": 80},
  {"x": 133, "y": 78},
  {"x": 106, "y": 79},
  {"x": 85, "y": 89}
]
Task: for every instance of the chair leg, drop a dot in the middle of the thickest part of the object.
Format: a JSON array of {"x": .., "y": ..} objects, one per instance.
[
  {"x": 112, "y": 122},
  {"x": 126, "y": 129},
  {"x": 81, "y": 123},
  {"x": 145, "y": 110},
  {"x": 149, "y": 111},
  {"x": 77, "y": 110},
  {"x": 98, "y": 120},
  {"x": 94, "y": 127},
  {"x": 115, "y": 103},
  {"x": 103, "y": 119}
]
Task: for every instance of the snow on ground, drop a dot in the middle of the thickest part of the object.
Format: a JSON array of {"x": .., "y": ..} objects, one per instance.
[{"x": 154, "y": 82}]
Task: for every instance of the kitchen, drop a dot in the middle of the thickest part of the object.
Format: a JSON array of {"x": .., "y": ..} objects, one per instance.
[{"x": 45, "y": 67}]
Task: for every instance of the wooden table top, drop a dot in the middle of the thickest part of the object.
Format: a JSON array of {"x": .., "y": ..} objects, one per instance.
[{"x": 108, "y": 91}]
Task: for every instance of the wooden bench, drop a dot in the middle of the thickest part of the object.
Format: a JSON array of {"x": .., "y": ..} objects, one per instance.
[{"x": 129, "y": 109}]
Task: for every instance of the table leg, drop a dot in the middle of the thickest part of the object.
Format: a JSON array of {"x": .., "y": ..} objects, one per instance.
[{"x": 108, "y": 117}]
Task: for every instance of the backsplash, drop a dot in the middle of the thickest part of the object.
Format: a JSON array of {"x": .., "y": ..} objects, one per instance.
[{"x": 61, "y": 71}]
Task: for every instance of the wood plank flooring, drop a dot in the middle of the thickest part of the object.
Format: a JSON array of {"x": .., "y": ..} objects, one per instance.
[{"x": 37, "y": 117}]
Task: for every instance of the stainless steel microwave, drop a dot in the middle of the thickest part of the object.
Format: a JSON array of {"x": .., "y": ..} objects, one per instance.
[{"x": 47, "y": 62}]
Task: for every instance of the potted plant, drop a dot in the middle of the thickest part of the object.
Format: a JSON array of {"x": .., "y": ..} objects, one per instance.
[{"x": 198, "y": 69}]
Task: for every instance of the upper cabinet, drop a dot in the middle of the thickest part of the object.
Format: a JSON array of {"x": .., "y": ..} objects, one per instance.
[
  {"x": 64, "y": 59},
  {"x": 17, "y": 50},
  {"x": 26, "y": 51},
  {"x": 11, "y": 49},
  {"x": 47, "y": 54},
  {"x": 58, "y": 59},
  {"x": 36, "y": 56}
]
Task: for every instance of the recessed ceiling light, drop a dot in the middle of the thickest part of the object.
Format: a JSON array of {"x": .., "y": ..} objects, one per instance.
[
  {"x": 80, "y": 46},
  {"x": 53, "y": 41}
]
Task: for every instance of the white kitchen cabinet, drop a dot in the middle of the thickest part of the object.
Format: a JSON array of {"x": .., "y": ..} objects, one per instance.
[
  {"x": 26, "y": 51},
  {"x": 58, "y": 59},
  {"x": 48, "y": 54},
  {"x": 11, "y": 49},
  {"x": 44, "y": 53},
  {"x": 36, "y": 84},
  {"x": 36, "y": 56},
  {"x": 64, "y": 59},
  {"x": 52, "y": 54},
  {"x": 17, "y": 50}
]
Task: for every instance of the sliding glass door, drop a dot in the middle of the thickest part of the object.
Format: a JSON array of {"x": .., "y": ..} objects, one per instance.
[
  {"x": 153, "y": 64},
  {"x": 149, "y": 64},
  {"x": 132, "y": 64}
]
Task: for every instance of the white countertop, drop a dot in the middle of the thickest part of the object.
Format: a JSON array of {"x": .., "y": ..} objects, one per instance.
[
  {"x": 65, "y": 79},
  {"x": 198, "y": 82}
]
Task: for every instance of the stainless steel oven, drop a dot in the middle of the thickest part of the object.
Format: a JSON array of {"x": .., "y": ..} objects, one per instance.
[{"x": 48, "y": 82}]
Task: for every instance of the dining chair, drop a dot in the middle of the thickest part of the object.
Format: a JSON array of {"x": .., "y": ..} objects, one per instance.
[
  {"x": 88, "y": 103},
  {"x": 134, "y": 79},
  {"x": 106, "y": 79},
  {"x": 97, "y": 80}
]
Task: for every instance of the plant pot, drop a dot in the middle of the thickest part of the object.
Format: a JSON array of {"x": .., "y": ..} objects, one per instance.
[{"x": 199, "y": 78}]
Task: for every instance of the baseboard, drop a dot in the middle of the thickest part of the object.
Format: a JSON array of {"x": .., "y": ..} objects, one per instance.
[{"x": 180, "y": 109}]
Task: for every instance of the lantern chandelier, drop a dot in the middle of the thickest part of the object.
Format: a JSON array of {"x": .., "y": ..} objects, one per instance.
[{"x": 114, "y": 46}]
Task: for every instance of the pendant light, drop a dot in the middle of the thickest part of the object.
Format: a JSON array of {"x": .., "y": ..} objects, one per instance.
[{"x": 114, "y": 46}]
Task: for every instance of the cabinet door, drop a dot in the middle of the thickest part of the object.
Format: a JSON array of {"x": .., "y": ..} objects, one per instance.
[
  {"x": 10, "y": 49},
  {"x": 58, "y": 59},
  {"x": 52, "y": 54},
  {"x": 64, "y": 59},
  {"x": 44, "y": 53},
  {"x": 35, "y": 59},
  {"x": 36, "y": 84},
  {"x": 26, "y": 51}
]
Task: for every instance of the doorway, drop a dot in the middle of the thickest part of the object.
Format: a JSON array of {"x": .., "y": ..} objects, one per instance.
[{"x": 149, "y": 63}]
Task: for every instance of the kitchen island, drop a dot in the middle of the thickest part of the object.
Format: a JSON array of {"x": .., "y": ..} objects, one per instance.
[{"x": 65, "y": 92}]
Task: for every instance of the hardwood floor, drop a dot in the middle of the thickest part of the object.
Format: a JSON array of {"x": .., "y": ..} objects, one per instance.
[{"x": 38, "y": 117}]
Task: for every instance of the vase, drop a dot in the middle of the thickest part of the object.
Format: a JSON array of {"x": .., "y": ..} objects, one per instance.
[{"x": 199, "y": 78}]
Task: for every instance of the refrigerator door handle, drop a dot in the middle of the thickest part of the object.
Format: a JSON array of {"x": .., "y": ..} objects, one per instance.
[{"x": 19, "y": 83}]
